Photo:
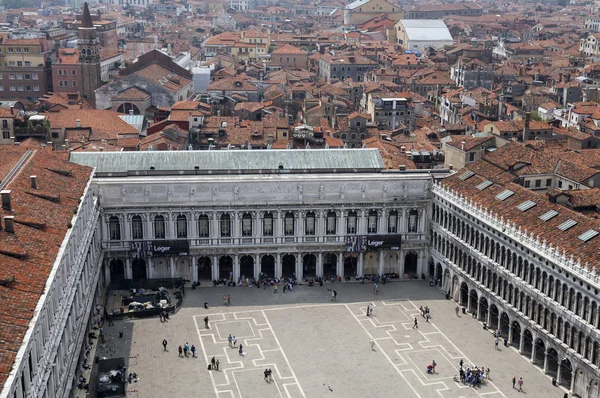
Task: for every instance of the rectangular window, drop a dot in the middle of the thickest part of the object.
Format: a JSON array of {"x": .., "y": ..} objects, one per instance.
[
  {"x": 36, "y": 88},
  {"x": 560, "y": 184},
  {"x": 330, "y": 230},
  {"x": 289, "y": 225},
  {"x": 11, "y": 76},
  {"x": 310, "y": 224},
  {"x": 60, "y": 72},
  {"x": 527, "y": 184},
  {"x": 27, "y": 63},
  {"x": 74, "y": 72},
  {"x": 11, "y": 63},
  {"x": 25, "y": 50},
  {"x": 549, "y": 182},
  {"x": 225, "y": 227},
  {"x": 27, "y": 76},
  {"x": 19, "y": 76},
  {"x": 393, "y": 223},
  {"x": 351, "y": 228},
  {"x": 181, "y": 227},
  {"x": 115, "y": 230},
  {"x": 372, "y": 224},
  {"x": 203, "y": 227},
  {"x": 19, "y": 63},
  {"x": 136, "y": 228},
  {"x": 538, "y": 183},
  {"x": 159, "y": 227},
  {"x": 268, "y": 225},
  {"x": 1, "y": 88},
  {"x": 27, "y": 88},
  {"x": 13, "y": 88},
  {"x": 246, "y": 226},
  {"x": 20, "y": 88},
  {"x": 10, "y": 50},
  {"x": 74, "y": 83},
  {"x": 18, "y": 50},
  {"x": 34, "y": 76},
  {"x": 471, "y": 156},
  {"x": 6, "y": 135}
]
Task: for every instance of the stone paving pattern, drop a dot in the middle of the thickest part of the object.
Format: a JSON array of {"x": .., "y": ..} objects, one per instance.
[{"x": 318, "y": 348}]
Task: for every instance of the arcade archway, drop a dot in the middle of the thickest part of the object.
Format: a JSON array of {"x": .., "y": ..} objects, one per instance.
[
  {"x": 267, "y": 266},
  {"x": 204, "y": 268},
  {"x": 226, "y": 267},
  {"x": 288, "y": 266},
  {"x": 309, "y": 265},
  {"x": 410, "y": 264},
  {"x": 138, "y": 269},
  {"x": 247, "y": 267},
  {"x": 329, "y": 265},
  {"x": 117, "y": 270},
  {"x": 350, "y": 265}
]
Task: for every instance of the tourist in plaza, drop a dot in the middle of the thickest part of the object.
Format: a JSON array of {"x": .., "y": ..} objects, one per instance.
[
  {"x": 422, "y": 310},
  {"x": 460, "y": 364},
  {"x": 206, "y": 322},
  {"x": 275, "y": 288},
  {"x": 230, "y": 340},
  {"x": 375, "y": 287},
  {"x": 241, "y": 350},
  {"x": 371, "y": 309},
  {"x": 514, "y": 381},
  {"x": 487, "y": 374},
  {"x": 368, "y": 313},
  {"x": 165, "y": 344},
  {"x": 180, "y": 351},
  {"x": 217, "y": 364},
  {"x": 213, "y": 362},
  {"x": 225, "y": 300},
  {"x": 334, "y": 295},
  {"x": 228, "y": 300},
  {"x": 186, "y": 349},
  {"x": 496, "y": 341},
  {"x": 270, "y": 375},
  {"x": 456, "y": 310},
  {"x": 416, "y": 325},
  {"x": 266, "y": 375},
  {"x": 234, "y": 341},
  {"x": 433, "y": 365},
  {"x": 372, "y": 342},
  {"x": 193, "y": 349},
  {"x": 520, "y": 383},
  {"x": 427, "y": 316}
]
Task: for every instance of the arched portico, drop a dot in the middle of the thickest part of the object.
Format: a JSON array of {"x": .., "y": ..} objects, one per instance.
[
  {"x": 138, "y": 269},
  {"x": 309, "y": 265},
  {"x": 267, "y": 266},
  {"x": 225, "y": 267},
  {"x": 204, "y": 269},
  {"x": 247, "y": 267},
  {"x": 117, "y": 270}
]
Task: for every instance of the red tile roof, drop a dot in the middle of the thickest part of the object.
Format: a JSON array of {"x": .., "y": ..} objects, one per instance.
[{"x": 28, "y": 254}]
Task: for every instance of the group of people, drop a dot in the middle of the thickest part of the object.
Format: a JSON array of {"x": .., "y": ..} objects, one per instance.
[
  {"x": 184, "y": 350},
  {"x": 214, "y": 364},
  {"x": 431, "y": 367},
  {"x": 425, "y": 313},
  {"x": 83, "y": 384},
  {"x": 268, "y": 375},
  {"x": 233, "y": 344}
]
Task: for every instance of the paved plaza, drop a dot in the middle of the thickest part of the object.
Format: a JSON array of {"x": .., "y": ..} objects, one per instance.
[{"x": 318, "y": 348}]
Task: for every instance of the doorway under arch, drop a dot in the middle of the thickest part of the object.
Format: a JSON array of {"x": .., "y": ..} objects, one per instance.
[
  {"x": 117, "y": 270},
  {"x": 566, "y": 372},
  {"x": 494, "y": 316},
  {"x": 474, "y": 299},
  {"x": 504, "y": 325},
  {"x": 247, "y": 267},
  {"x": 267, "y": 266},
  {"x": 329, "y": 265},
  {"x": 226, "y": 267},
  {"x": 204, "y": 269},
  {"x": 128, "y": 106},
  {"x": 527, "y": 343},
  {"x": 309, "y": 266},
  {"x": 138, "y": 269},
  {"x": 288, "y": 266},
  {"x": 552, "y": 361},
  {"x": 350, "y": 265},
  {"x": 464, "y": 294},
  {"x": 410, "y": 264},
  {"x": 516, "y": 335},
  {"x": 483, "y": 309}
]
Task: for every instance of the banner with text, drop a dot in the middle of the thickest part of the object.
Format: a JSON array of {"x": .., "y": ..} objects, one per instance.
[
  {"x": 363, "y": 243},
  {"x": 160, "y": 248}
]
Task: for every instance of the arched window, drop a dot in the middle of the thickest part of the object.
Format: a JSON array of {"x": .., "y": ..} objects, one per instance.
[
  {"x": 393, "y": 222},
  {"x": 351, "y": 223},
  {"x": 159, "y": 227},
  {"x": 372, "y": 222},
  {"x": 203, "y": 226},
  {"x": 181, "y": 227},
  {"x": 89, "y": 52},
  {"x": 330, "y": 221},
  {"x": 225, "y": 226},
  {"x": 268, "y": 224},
  {"x": 289, "y": 224},
  {"x": 137, "y": 231},
  {"x": 247, "y": 224},
  {"x": 114, "y": 228},
  {"x": 413, "y": 221},
  {"x": 309, "y": 223}
]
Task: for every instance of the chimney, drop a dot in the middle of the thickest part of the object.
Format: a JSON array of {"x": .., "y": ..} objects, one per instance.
[
  {"x": 131, "y": 111},
  {"x": 500, "y": 106},
  {"x": 9, "y": 224},
  {"x": 402, "y": 167},
  {"x": 6, "y": 205},
  {"x": 12, "y": 110},
  {"x": 462, "y": 146},
  {"x": 526, "y": 128},
  {"x": 450, "y": 167},
  {"x": 78, "y": 123},
  {"x": 101, "y": 149},
  {"x": 33, "y": 182}
]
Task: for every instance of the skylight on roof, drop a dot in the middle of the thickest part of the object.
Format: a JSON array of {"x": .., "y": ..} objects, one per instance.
[
  {"x": 549, "y": 215},
  {"x": 466, "y": 175},
  {"x": 484, "y": 185},
  {"x": 567, "y": 224},
  {"x": 528, "y": 204},
  {"x": 507, "y": 193},
  {"x": 588, "y": 235}
]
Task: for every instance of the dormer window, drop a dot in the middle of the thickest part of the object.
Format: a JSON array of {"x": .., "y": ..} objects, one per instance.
[{"x": 238, "y": 84}]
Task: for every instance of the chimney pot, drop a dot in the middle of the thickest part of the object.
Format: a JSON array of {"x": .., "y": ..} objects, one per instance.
[
  {"x": 33, "y": 182},
  {"x": 12, "y": 110},
  {"x": 131, "y": 111},
  {"x": 6, "y": 205},
  {"x": 78, "y": 123},
  {"x": 402, "y": 167},
  {"x": 9, "y": 224},
  {"x": 451, "y": 166}
]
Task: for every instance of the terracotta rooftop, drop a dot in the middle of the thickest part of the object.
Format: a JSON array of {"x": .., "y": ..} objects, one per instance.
[
  {"x": 104, "y": 124},
  {"x": 28, "y": 254}
]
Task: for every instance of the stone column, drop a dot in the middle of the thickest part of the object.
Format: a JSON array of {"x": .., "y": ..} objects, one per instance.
[
  {"x": 362, "y": 227},
  {"x": 320, "y": 264},
  {"x": 545, "y": 362},
  {"x": 172, "y": 266},
  {"x": 236, "y": 268},
  {"x": 382, "y": 225},
  {"x": 194, "y": 268},
  {"x": 342, "y": 230},
  {"x": 215, "y": 226},
  {"x": 128, "y": 271},
  {"x": 340, "y": 264},
  {"x": 359, "y": 267},
  {"x": 235, "y": 233},
  {"x": 193, "y": 230},
  {"x": 299, "y": 267},
  {"x": 522, "y": 341},
  {"x": 150, "y": 266},
  {"x": 381, "y": 256},
  {"x": 277, "y": 263},
  {"x": 215, "y": 267},
  {"x": 256, "y": 265},
  {"x": 147, "y": 226},
  {"x": 558, "y": 372},
  {"x": 403, "y": 227},
  {"x": 169, "y": 227}
]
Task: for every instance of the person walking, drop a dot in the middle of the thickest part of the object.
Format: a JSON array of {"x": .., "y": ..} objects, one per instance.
[
  {"x": 335, "y": 295},
  {"x": 266, "y": 372},
  {"x": 180, "y": 351},
  {"x": 368, "y": 314},
  {"x": 520, "y": 383},
  {"x": 461, "y": 363},
  {"x": 456, "y": 310},
  {"x": 230, "y": 339},
  {"x": 332, "y": 296},
  {"x": 514, "y": 381},
  {"x": 427, "y": 316},
  {"x": 496, "y": 341},
  {"x": 186, "y": 349},
  {"x": 193, "y": 349},
  {"x": 110, "y": 320},
  {"x": 241, "y": 350},
  {"x": 206, "y": 322},
  {"x": 228, "y": 300},
  {"x": 372, "y": 345},
  {"x": 213, "y": 362},
  {"x": 165, "y": 344},
  {"x": 371, "y": 309},
  {"x": 270, "y": 375},
  {"x": 375, "y": 287},
  {"x": 233, "y": 342},
  {"x": 487, "y": 374},
  {"x": 225, "y": 300},
  {"x": 433, "y": 365},
  {"x": 416, "y": 325},
  {"x": 275, "y": 289},
  {"x": 217, "y": 364}
]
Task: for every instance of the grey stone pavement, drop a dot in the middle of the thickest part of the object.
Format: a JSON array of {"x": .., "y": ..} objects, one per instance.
[{"x": 318, "y": 348}]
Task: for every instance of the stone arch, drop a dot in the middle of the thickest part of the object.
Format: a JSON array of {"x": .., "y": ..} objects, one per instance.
[
  {"x": 226, "y": 267},
  {"x": 473, "y": 300},
  {"x": 483, "y": 309},
  {"x": 539, "y": 353},
  {"x": 288, "y": 266},
  {"x": 566, "y": 373},
  {"x": 504, "y": 325},
  {"x": 464, "y": 294},
  {"x": 390, "y": 263},
  {"x": 370, "y": 263},
  {"x": 138, "y": 269},
  {"x": 247, "y": 266},
  {"x": 309, "y": 265},
  {"x": 205, "y": 268},
  {"x": 552, "y": 362},
  {"x": 516, "y": 335},
  {"x": 329, "y": 265},
  {"x": 494, "y": 316},
  {"x": 127, "y": 107},
  {"x": 182, "y": 268},
  {"x": 527, "y": 347}
]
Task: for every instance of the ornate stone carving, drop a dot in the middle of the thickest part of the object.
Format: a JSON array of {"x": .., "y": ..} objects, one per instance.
[
  {"x": 146, "y": 194},
  {"x": 214, "y": 193},
  {"x": 300, "y": 190},
  {"x": 363, "y": 190},
  {"x": 385, "y": 188},
  {"x": 236, "y": 192},
  {"x": 192, "y": 192},
  {"x": 343, "y": 192},
  {"x": 321, "y": 191},
  {"x": 169, "y": 193},
  {"x": 124, "y": 193}
]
